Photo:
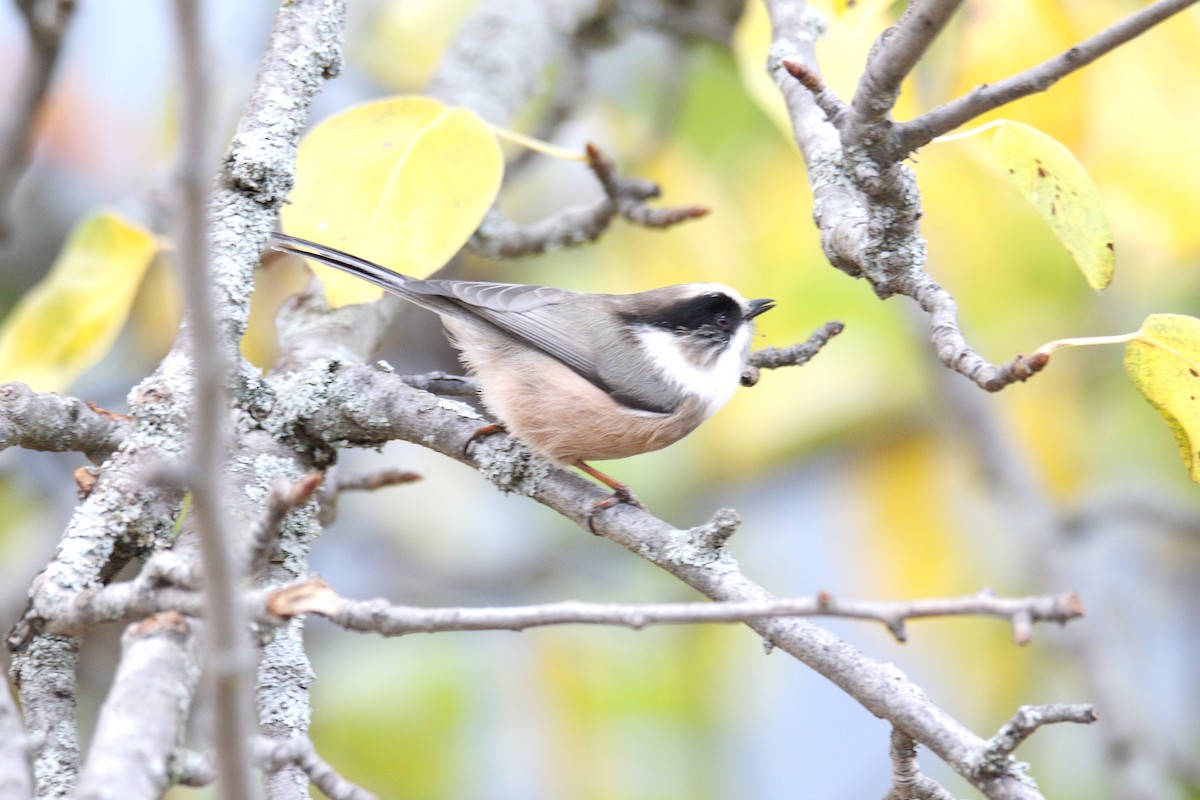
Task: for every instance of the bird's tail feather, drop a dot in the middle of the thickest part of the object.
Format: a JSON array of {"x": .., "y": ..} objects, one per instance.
[{"x": 367, "y": 270}]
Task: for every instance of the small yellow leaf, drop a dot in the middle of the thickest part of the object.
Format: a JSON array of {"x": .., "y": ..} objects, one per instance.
[
  {"x": 1049, "y": 177},
  {"x": 69, "y": 320},
  {"x": 402, "y": 182},
  {"x": 1164, "y": 363}
]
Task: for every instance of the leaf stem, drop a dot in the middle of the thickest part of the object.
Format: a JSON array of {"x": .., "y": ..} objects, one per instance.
[
  {"x": 537, "y": 145},
  {"x": 1086, "y": 341}
]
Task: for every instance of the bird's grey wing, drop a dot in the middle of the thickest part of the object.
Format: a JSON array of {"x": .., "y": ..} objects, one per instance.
[{"x": 540, "y": 316}]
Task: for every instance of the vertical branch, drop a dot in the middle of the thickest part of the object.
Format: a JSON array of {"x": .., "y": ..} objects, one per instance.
[
  {"x": 14, "y": 749},
  {"x": 228, "y": 656},
  {"x": 46, "y": 21},
  {"x": 44, "y": 674}
]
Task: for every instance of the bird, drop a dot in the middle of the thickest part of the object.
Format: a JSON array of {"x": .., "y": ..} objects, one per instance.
[{"x": 577, "y": 376}]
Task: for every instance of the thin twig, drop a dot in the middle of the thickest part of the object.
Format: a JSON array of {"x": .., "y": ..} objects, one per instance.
[
  {"x": 793, "y": 356},
  {"x": 299, "y": 750},
  {"x": 373, "y": 481},
  {"x": 499, "y": 237},
  {"x": 46, "y": 23},
  {"x": 380, "y": 616},
  {"x": 282, "y": 498},
  {"x": 995, "y": 757},
  {"x": 911, "y": 135},
  {"x": 227, "y": 653}
]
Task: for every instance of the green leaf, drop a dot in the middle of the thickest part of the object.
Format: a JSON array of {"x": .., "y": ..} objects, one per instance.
[
  {"x": 402, "y": 182},
  {"x": 1049, "y": 177},
  {"x": 69, "y": 321},
  {"x": 1164, "y": 363}
]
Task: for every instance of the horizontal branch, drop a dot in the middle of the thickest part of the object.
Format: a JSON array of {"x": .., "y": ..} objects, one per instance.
[
  {"x": 911, "y": 135},
  {"x": 380, "y": 616},
  {"x": 50, "y": 422},
  {"x": 793, "y": 356}
]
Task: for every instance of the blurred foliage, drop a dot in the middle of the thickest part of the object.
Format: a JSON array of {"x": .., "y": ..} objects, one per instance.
[{"x": 847, "y": 471}]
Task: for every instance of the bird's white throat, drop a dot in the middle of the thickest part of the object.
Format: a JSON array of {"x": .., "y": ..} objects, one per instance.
[{"x": 713, "y": 384}]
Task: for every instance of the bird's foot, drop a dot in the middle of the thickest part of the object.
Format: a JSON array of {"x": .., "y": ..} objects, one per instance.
[{"x": 486, "y": 430}]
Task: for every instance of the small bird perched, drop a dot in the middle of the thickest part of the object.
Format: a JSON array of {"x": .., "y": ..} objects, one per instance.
[{"x": 580, "y": 377}]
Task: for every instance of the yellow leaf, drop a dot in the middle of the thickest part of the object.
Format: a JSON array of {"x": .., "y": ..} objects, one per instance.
[
  {"x": 69, "y": 320},
  {"x": 402, "y": 182},
  {"x": 1049, "y": 177},
  {"x": 1164, "y": 363}
]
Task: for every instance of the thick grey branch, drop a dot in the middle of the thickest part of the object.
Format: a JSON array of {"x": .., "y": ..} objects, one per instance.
[
  {"x": 142, "y": 719},
  {"x": 908, "y": 136},
  {"x": 367, "y": 405},
  {"x": 867, "y": 205},
  {"x": 48, "y": 421}
]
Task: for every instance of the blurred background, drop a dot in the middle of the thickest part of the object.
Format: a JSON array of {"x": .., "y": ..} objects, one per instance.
[{"x": 864, "y": 473}]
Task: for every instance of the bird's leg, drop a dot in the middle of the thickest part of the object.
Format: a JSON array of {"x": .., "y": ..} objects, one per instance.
[
  {"x": 486, "y": 430},
  {"x": 621, "y": 493}
]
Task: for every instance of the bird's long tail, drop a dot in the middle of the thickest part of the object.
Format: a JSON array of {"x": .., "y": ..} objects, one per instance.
[{"x": 367, "y": 270}]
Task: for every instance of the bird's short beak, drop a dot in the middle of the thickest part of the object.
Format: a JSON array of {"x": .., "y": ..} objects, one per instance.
[{"x": 759, "y": 306}]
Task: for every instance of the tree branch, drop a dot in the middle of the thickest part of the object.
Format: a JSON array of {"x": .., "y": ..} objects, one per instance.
[
  {"x": 499, "y": 238},
  {"x": 143, "y": 718},
  {"x": 227, "y": 654},
  {"x": 15, "y": 777},
  {"x": 916, "y": 133},
  {"x": 895, "y": 54},
  {"x": 51, "y": 422},
  {"x": 907, "y": 781},
  {"x": 996, "y": 756},
  {"x": 380, "y": 616},
  {"x": 46, "y": 22},
  {"x": 794, "y": 356},
  {"x": 364, "y": 405},
  {"x": 299, "y": 751}
]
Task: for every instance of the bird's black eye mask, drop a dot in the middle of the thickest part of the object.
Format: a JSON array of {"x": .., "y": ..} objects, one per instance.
[{"x": 713, "y": 312}]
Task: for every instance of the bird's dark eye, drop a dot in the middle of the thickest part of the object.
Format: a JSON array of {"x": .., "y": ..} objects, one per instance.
[{"x": 722, "y": 321}]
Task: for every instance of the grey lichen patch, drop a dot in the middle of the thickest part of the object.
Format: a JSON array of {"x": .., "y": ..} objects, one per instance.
[
  {"x": 458, "y": 407},
  {"x": 300, "y": 395},
  {"x": 511, "y": 466},
  {"x": 704, "y": 545}
]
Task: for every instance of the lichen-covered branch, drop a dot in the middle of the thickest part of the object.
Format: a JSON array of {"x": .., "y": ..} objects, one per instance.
[
  {"x": 867, "y": 205},
  {"x": 52, "y": 422}
]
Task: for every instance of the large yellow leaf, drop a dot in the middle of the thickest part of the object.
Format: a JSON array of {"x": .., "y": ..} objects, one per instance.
[
  {"x": 1049, "y": 177},
  {"x": 1164, "y": 363},
  {"x": 69, "y": 320},
  {"x": 402, "y": 182}
]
